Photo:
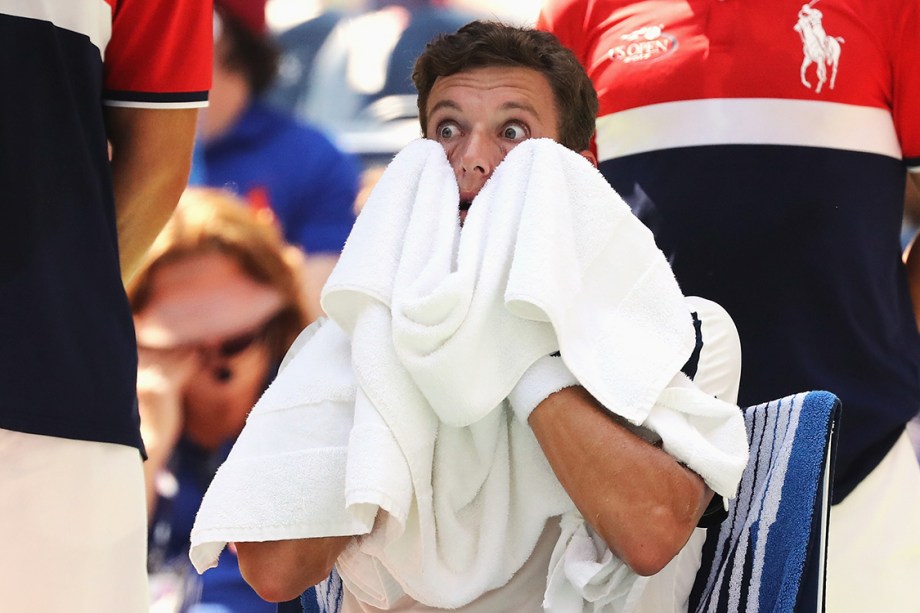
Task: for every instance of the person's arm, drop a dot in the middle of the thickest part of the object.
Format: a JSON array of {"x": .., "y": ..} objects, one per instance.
[
  {"x": 912, "y": 263},
  {"x": 161, "y": 377},
  {"x": 640, "y": 500},
  {"x": 317, "y": 268},
  {"x": 913, "y": 197},
  {"x": 912, "y": 253},
  {"x": 282, "y": 570},
  {"x": 312, "y": 271},
  {"x": 151, "y": 157}
]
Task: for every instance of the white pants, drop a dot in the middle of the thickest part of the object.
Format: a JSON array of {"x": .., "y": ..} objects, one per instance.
[
  {"x": 73, "y": 526},
  {"x": 873, "y": 556}
]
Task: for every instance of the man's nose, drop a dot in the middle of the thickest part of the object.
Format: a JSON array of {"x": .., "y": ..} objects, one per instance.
[{"x": 480, "y": 156}]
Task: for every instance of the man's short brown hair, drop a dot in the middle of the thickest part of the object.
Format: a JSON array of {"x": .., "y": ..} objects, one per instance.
[{"x": 481, "y": 44}]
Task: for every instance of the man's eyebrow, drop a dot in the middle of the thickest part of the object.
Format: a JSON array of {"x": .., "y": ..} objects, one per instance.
[
  {"x": 444, "y": 104},
  {"x": 521, "y": 106}
]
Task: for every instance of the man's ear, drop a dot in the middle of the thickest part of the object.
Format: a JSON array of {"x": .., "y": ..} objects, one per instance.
[{"x": 589, "y": 155}]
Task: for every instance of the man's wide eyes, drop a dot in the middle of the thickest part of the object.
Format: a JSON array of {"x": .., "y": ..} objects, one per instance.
[
  {"x": 448, "y": 130},
  {"x": 514, "y": 132}
]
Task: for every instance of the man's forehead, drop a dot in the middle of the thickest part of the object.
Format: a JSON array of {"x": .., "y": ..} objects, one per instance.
[
  {"x": 510, "y": 86},
  {"x": 511, "y": 104}
]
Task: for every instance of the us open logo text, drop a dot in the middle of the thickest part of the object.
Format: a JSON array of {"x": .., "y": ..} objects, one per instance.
[{"x": 648, "y": 43}]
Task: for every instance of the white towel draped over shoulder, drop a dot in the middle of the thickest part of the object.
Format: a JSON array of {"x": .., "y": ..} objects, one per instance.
[
  {"x": 437, "y": 327},
  {"x": 293, "y": 448}
]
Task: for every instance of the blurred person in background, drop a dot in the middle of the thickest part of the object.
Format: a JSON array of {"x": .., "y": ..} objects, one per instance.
[
  {"x": 216, "y": 305},
  {"x": 97, "y": 118},
  {"x": 274, "y": 161},
  {"x": 350, "y": 71},
  {"x": 767, "y": 145}
]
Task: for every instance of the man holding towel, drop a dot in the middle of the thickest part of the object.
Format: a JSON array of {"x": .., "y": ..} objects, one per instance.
[{"x": 482, "y": 92}]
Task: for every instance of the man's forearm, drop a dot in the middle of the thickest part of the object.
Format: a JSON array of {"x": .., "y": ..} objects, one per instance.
[
  {"x": 641, "y": 501},
  {"x": 151, "y": 157}
]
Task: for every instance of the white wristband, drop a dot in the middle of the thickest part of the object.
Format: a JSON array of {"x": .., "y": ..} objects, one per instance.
[{"x": 547, "y": 375}]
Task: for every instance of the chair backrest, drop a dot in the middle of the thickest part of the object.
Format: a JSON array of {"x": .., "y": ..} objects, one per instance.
[{"x": 770, "y": 553}]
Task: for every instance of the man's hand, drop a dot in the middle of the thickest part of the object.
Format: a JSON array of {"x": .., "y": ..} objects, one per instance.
[{"x": 161, "y": 376}]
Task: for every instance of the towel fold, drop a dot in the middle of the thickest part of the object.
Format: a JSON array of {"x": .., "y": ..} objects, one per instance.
[
  {"x": 702, "y": 432},
  {"x": 585, "y": 576},
  {"x": 436, "y": 327},
  {"x": 550, "y": 258}
]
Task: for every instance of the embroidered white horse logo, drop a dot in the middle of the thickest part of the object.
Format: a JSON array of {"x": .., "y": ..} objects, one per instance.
[
  {"x": 648, "y": 33},
  {"x": 819, "y": 48}
]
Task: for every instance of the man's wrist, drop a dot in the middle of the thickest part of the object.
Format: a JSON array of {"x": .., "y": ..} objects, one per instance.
[{"x": 546, "y": 376}]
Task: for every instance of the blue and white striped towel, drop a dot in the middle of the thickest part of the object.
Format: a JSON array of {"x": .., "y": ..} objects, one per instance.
[{"x": 769, "y": 553}]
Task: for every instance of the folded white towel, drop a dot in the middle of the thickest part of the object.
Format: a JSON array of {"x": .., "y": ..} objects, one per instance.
[
  {"x": 422, "y": 444},
  {"x": 701, "y": 432}
]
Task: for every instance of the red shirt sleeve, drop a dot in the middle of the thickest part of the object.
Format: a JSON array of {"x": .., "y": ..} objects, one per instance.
[
  {"x": 906, "y": 95},
  {"x": 159, "y": 54}
]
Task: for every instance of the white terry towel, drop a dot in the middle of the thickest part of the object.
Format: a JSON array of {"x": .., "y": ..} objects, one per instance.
[
  {"x": 441, "y": 326},
  {"x": 293, "y": 449},
  {"x": 550, "y": 258}
]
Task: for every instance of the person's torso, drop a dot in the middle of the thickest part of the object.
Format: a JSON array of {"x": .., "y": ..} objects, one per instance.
[
  {"x": 67, "y": 355},
  {"x": 523, "y": 593},
  {"x": 67, "y": 348},
  {"x": 295, "y": 170},
  {"x": 763, "y": 142}
]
